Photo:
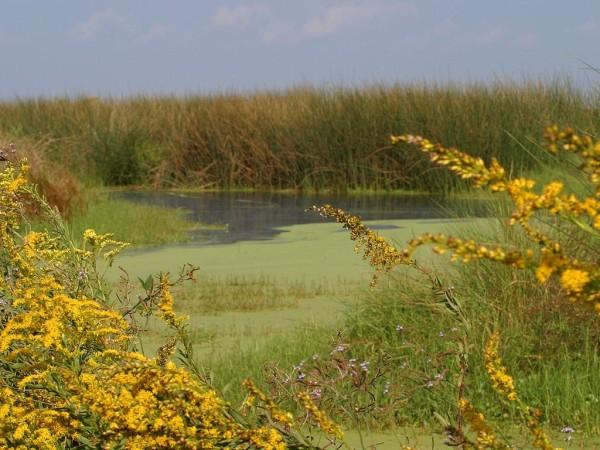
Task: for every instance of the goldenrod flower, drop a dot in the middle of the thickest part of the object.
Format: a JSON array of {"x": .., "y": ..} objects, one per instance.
[
  {"x": 501, "y": 381},
  {"x": 574, "y": 280},
  {"x": 328, "y": 426}
]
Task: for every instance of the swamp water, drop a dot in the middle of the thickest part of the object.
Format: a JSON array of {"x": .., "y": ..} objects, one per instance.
[
  {"x": 242, "y": 216},
  {"x": 263, "y": 243}
]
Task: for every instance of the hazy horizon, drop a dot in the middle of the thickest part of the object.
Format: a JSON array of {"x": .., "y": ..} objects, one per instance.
[{"x": 184, "y": 47}]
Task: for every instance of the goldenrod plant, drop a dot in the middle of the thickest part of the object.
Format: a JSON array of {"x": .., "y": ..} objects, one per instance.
[{"x": 70, "y": 373}]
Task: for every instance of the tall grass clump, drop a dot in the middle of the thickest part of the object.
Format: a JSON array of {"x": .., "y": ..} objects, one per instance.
[{"x": 301, "y": 138}]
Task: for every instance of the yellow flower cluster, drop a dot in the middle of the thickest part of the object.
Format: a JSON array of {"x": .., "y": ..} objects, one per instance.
[
  {"x": 276, "y": 413},
  {"x": 69, "y": 376},
  {"x": 501, "y": 381},
  {"x": 486, "y": 438},
  {"x": 574, "y": 281},
  {"x": 540, "y": 438},
  {"x": 99, "y": 242},
  {"x": 380, "y": 254},
  {"x": 165, "y": 304},
  {"x": 504, "y": 385},
  {"x": 583, "y": 145},
  {"x": 319, "y": 416},
  {"x": 578, "y": 279},
  {"x": 466, "y": 250},
  {"x": 463, "y": 164}
]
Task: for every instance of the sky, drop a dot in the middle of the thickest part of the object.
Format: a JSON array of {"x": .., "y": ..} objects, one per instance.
[{"x": 129, "y": 47}]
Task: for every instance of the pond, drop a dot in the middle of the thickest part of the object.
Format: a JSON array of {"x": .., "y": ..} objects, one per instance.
[{"x": 244, "y": 216}]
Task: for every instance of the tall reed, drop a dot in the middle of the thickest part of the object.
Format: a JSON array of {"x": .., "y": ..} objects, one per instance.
[{"x": 301, "y": 138}]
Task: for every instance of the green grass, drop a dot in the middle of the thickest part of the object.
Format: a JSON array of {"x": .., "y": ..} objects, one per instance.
[
  {"x": 550, "y": 346},
  {"x": 303, "y": 138},
  {"x": 140, "y": 225},
  {"x": 248, "y": 293}
]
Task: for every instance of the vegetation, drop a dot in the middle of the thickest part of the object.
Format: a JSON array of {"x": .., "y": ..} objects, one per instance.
[
  {"x": 303, "y": 138},
  {"x": 424, "y": 347},
  {"x": 71, "y": 375},
  {"x": 563, "y": 232},
  {"x": 131, "y": 222}
]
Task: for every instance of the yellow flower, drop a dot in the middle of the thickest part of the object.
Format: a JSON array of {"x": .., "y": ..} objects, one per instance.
[
  {"x": 574, "y": 280},
  {"x": 501, "y": 381},
  {"x": 328, "y": 426},
  {"x": 543, "y": 272}
]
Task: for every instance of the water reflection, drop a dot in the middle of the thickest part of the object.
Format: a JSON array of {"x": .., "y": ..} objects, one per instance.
[{"x": 257, "y": 215}]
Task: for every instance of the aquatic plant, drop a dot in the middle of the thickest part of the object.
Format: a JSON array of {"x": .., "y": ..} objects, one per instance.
[{"x": 302, "y": 138}]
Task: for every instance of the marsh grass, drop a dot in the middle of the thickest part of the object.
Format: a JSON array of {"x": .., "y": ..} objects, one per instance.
[
  {"x": 137, "y": 224},
  {"x": 303, "y": 138},
  {"x": 212, "y": 295},
  {"x": 287, "y": 349}
]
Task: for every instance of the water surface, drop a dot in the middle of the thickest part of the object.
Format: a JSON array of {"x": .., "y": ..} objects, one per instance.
[{"x": 246, "y": 216}]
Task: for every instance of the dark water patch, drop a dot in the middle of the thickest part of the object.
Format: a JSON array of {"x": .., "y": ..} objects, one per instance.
[{"x": 241, "y": 216}]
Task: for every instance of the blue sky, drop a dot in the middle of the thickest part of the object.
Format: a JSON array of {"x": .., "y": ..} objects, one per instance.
[{"x": 72, "y": 47}]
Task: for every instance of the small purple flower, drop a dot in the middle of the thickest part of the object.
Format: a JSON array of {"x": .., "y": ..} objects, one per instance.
[
  {"x": 429, "y": 384},
  {"x": 364, "y": 366},
  {"x": 301, "y": 376},
  {"x": 317, "y": 393},
  {"x": 399, "y": 328},
  {"x": 441, "y": 334},
  {"x": 340, "y": 348},
  {"x": 568, "y": 430},
  {"x": 439, "y": 376}
]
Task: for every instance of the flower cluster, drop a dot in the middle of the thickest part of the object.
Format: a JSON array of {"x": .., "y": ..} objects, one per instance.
[
  {"x": 485, "y": 436},
  {"x": 70, "y": 376},
  {"x": 278, "y": 415},
  {"x": 579, "y": 279},
  {"x": 319, "y": 416},
  {"x": 380, "y": 254},
  {"x": 501, "y": 381}
]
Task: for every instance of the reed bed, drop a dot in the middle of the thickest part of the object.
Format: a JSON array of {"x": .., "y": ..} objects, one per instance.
[{"x": 309, "y": 138}]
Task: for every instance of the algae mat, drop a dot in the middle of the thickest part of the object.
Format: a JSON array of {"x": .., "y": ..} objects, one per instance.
[
  {"x": 300, "y": 252},
  {"x": 310, "y": 253}
]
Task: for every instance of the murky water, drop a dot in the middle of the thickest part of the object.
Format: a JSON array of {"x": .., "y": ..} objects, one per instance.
[{"x": 258, "y": 215}]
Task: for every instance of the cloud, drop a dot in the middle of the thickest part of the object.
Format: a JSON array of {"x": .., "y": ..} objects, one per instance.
[
  {"x": 452, "y": 35},
  {"x": 589, "y": 28},
  {"x": 334, "y": 18},
  {"x": 240, "y": 16},
  {"x": 109, "y": 22},
  {"x": 347, "y": 14},
  {"x": 101, "y": 21},
  {"x": 337, "y": 17},
  {"x": 154, "y": 32}
]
